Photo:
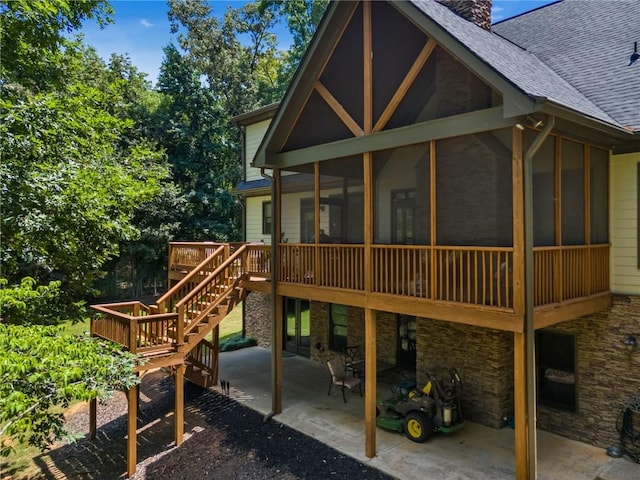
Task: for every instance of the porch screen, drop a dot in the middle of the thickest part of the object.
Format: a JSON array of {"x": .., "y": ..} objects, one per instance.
[
  {"x": 544, "y": 198},
  {"x": 572, "y": 193},
  {"x": 474, "y": 190},
  {"x": 402, "y": 196}
]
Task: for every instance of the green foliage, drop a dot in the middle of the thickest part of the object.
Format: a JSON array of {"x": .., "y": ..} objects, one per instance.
[
  {"x": 30, "y": 304},
  {"x": 33, "y": 34},
  {"x": 41, "y": 368},
  {"x": 302, "y": 18},
  {"x": 237, "y": 342}
]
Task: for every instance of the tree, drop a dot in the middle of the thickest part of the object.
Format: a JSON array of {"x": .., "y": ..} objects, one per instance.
[
  {"x": 302, "y": 18},
  {"x": 33, "y": 34},
  {"x": 201, "y": 149},
  {"x": 41, "y": 368}
]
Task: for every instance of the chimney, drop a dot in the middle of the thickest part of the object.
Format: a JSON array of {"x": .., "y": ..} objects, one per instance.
[{"x": 476, "y": 11}]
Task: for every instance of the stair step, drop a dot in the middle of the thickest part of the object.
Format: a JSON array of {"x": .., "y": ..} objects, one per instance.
[{"x": 205, "y": 374}]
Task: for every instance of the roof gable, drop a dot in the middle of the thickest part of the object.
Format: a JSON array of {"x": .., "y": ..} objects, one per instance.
[{"x": 521, "y": 78}]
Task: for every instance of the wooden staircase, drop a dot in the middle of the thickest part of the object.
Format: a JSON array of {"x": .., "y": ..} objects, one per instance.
[{"x": 182, "y": 328}]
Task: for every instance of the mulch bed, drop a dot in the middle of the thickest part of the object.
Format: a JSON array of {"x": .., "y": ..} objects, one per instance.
[{"x": 223, "y": 440}]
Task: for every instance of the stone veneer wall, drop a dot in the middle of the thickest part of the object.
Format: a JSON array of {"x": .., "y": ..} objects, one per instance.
[
  {"x": 257, "y": 317},
  {"x": 484, "y": 360},
  {"x": 607, "y": 374},
  {"x": 386, "y": 334}
]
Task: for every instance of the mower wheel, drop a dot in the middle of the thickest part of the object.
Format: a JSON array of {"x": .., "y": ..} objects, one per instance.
[{"x": 418, "y": 426}]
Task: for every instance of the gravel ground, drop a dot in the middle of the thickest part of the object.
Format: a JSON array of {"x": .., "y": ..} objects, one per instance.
[{"x": 223, "y": 440}]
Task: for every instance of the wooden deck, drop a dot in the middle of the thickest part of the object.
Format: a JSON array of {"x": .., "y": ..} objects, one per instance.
[{"x": 473, "y": 285}]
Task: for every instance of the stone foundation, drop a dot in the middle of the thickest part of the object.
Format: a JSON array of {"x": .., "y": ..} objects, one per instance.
[
  {"x": 482, "y": 357},
  {"x": 607, "y": 374},
  {"x": 257, "y": 317}
]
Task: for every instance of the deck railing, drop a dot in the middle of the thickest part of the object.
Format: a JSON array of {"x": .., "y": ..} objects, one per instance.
[
  {"x": 133, "y": 325},
  {"x": 566, "y": 272},
  {"x": 471, "y": 275}
]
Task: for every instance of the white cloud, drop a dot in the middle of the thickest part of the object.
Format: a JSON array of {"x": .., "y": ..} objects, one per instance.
[
  {"x": 146, "y": 23},
  {"x": 497, "y": 9}
]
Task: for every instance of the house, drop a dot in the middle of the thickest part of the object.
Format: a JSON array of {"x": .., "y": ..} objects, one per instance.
[{"x": 477, "y": 190}]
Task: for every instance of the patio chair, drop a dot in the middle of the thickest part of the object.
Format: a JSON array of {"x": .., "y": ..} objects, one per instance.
[
  {"x": 354, "y": 361},
  {"x": 340, "y": 378}
]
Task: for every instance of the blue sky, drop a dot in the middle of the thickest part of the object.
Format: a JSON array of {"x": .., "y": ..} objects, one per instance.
[{"x": 141, "y": 29}]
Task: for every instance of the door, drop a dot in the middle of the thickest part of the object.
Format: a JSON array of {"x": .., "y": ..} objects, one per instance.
[
  {"x": 403, "y": 214},
  {"x": 406, "y": 341},
  {"x": 297, "y": 326}
]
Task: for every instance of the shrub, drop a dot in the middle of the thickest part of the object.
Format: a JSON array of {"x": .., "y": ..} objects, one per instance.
[{"x": 237, "y": 342}]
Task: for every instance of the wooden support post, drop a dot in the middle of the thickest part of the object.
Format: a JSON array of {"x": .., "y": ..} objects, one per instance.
[
  {"x": 518, "y": 224},
  {"x": 179, "y": 404},
  {"x": 276, "y": 357},
  {"x": 370, "y": 386},
  {"x": 132, "y": 425},
  {"x": 93, "y": 418},
  {"x": 520, "y": 406}
]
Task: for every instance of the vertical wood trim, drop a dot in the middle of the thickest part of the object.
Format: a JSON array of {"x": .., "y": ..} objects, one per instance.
[
  {"x": 316, "y": 223},
  {"x": 179, "y": 404},
  {"x": 558, "y": 270},
  {"x": 93, "y": 418},
  {"x": 587, "y": 216},
  {"x": 367, "y": 66},
  {"x": 520, "y": 407},
  {"x": 370, "y": 382},
  {"x": 433, "y": 216},
  {"x": 368, "y": 220},
  {"x": 276, "y": 370},
  {"x": 132, "y": 421},
  {"x": 518, "y": 222}
]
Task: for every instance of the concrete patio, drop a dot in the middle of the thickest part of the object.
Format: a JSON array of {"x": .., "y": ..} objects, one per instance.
[{"x": 474, "y": 453}]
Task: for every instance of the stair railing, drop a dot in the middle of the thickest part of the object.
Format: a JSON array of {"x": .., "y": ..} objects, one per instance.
[
  {"x": 168, "y": 301},
  {"x": 210, "y": 293}
]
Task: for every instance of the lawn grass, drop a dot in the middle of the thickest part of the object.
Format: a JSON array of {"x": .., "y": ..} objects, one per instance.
[{"x": 232, "y": 323}]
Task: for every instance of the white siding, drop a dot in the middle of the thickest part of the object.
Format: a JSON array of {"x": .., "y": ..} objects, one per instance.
[
  {"x": 625, "y": 276},
  {"x": 254, "y": 220},
  {"x": 254, "y": 136}
]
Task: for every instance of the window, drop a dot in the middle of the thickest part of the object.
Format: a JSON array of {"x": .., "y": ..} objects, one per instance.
[
  {"x": 266, "y": 218},
  {"x": 556, "y": 370},
  {"x": 338, "y": 320}
]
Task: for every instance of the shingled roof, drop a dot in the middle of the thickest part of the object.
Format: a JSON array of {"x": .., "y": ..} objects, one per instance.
[
  {"x": 588, "y": 44},
  {"x": 524, "y": 69}
]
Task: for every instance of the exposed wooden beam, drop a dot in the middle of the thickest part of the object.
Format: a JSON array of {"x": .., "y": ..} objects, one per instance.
[
  {"x": 433, "y": 209},
  {"x": 549, "y": 315},
  {"x": 312, "y": 67},
  {"x": 370, "y": 386},
  {"x": 367, "y": 65},
  {"x": 518, "y": 221},
  {"x": 367, "y": 160},
  {"x": 456, "y": 125},
  {"x": 485, "y": 317},
  {"x": 338, "y": 109},
  {"x": 408, "y": 80}
]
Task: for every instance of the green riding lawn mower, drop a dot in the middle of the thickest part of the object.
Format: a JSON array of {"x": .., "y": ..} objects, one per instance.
[{"x": 420, "y": 413}]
